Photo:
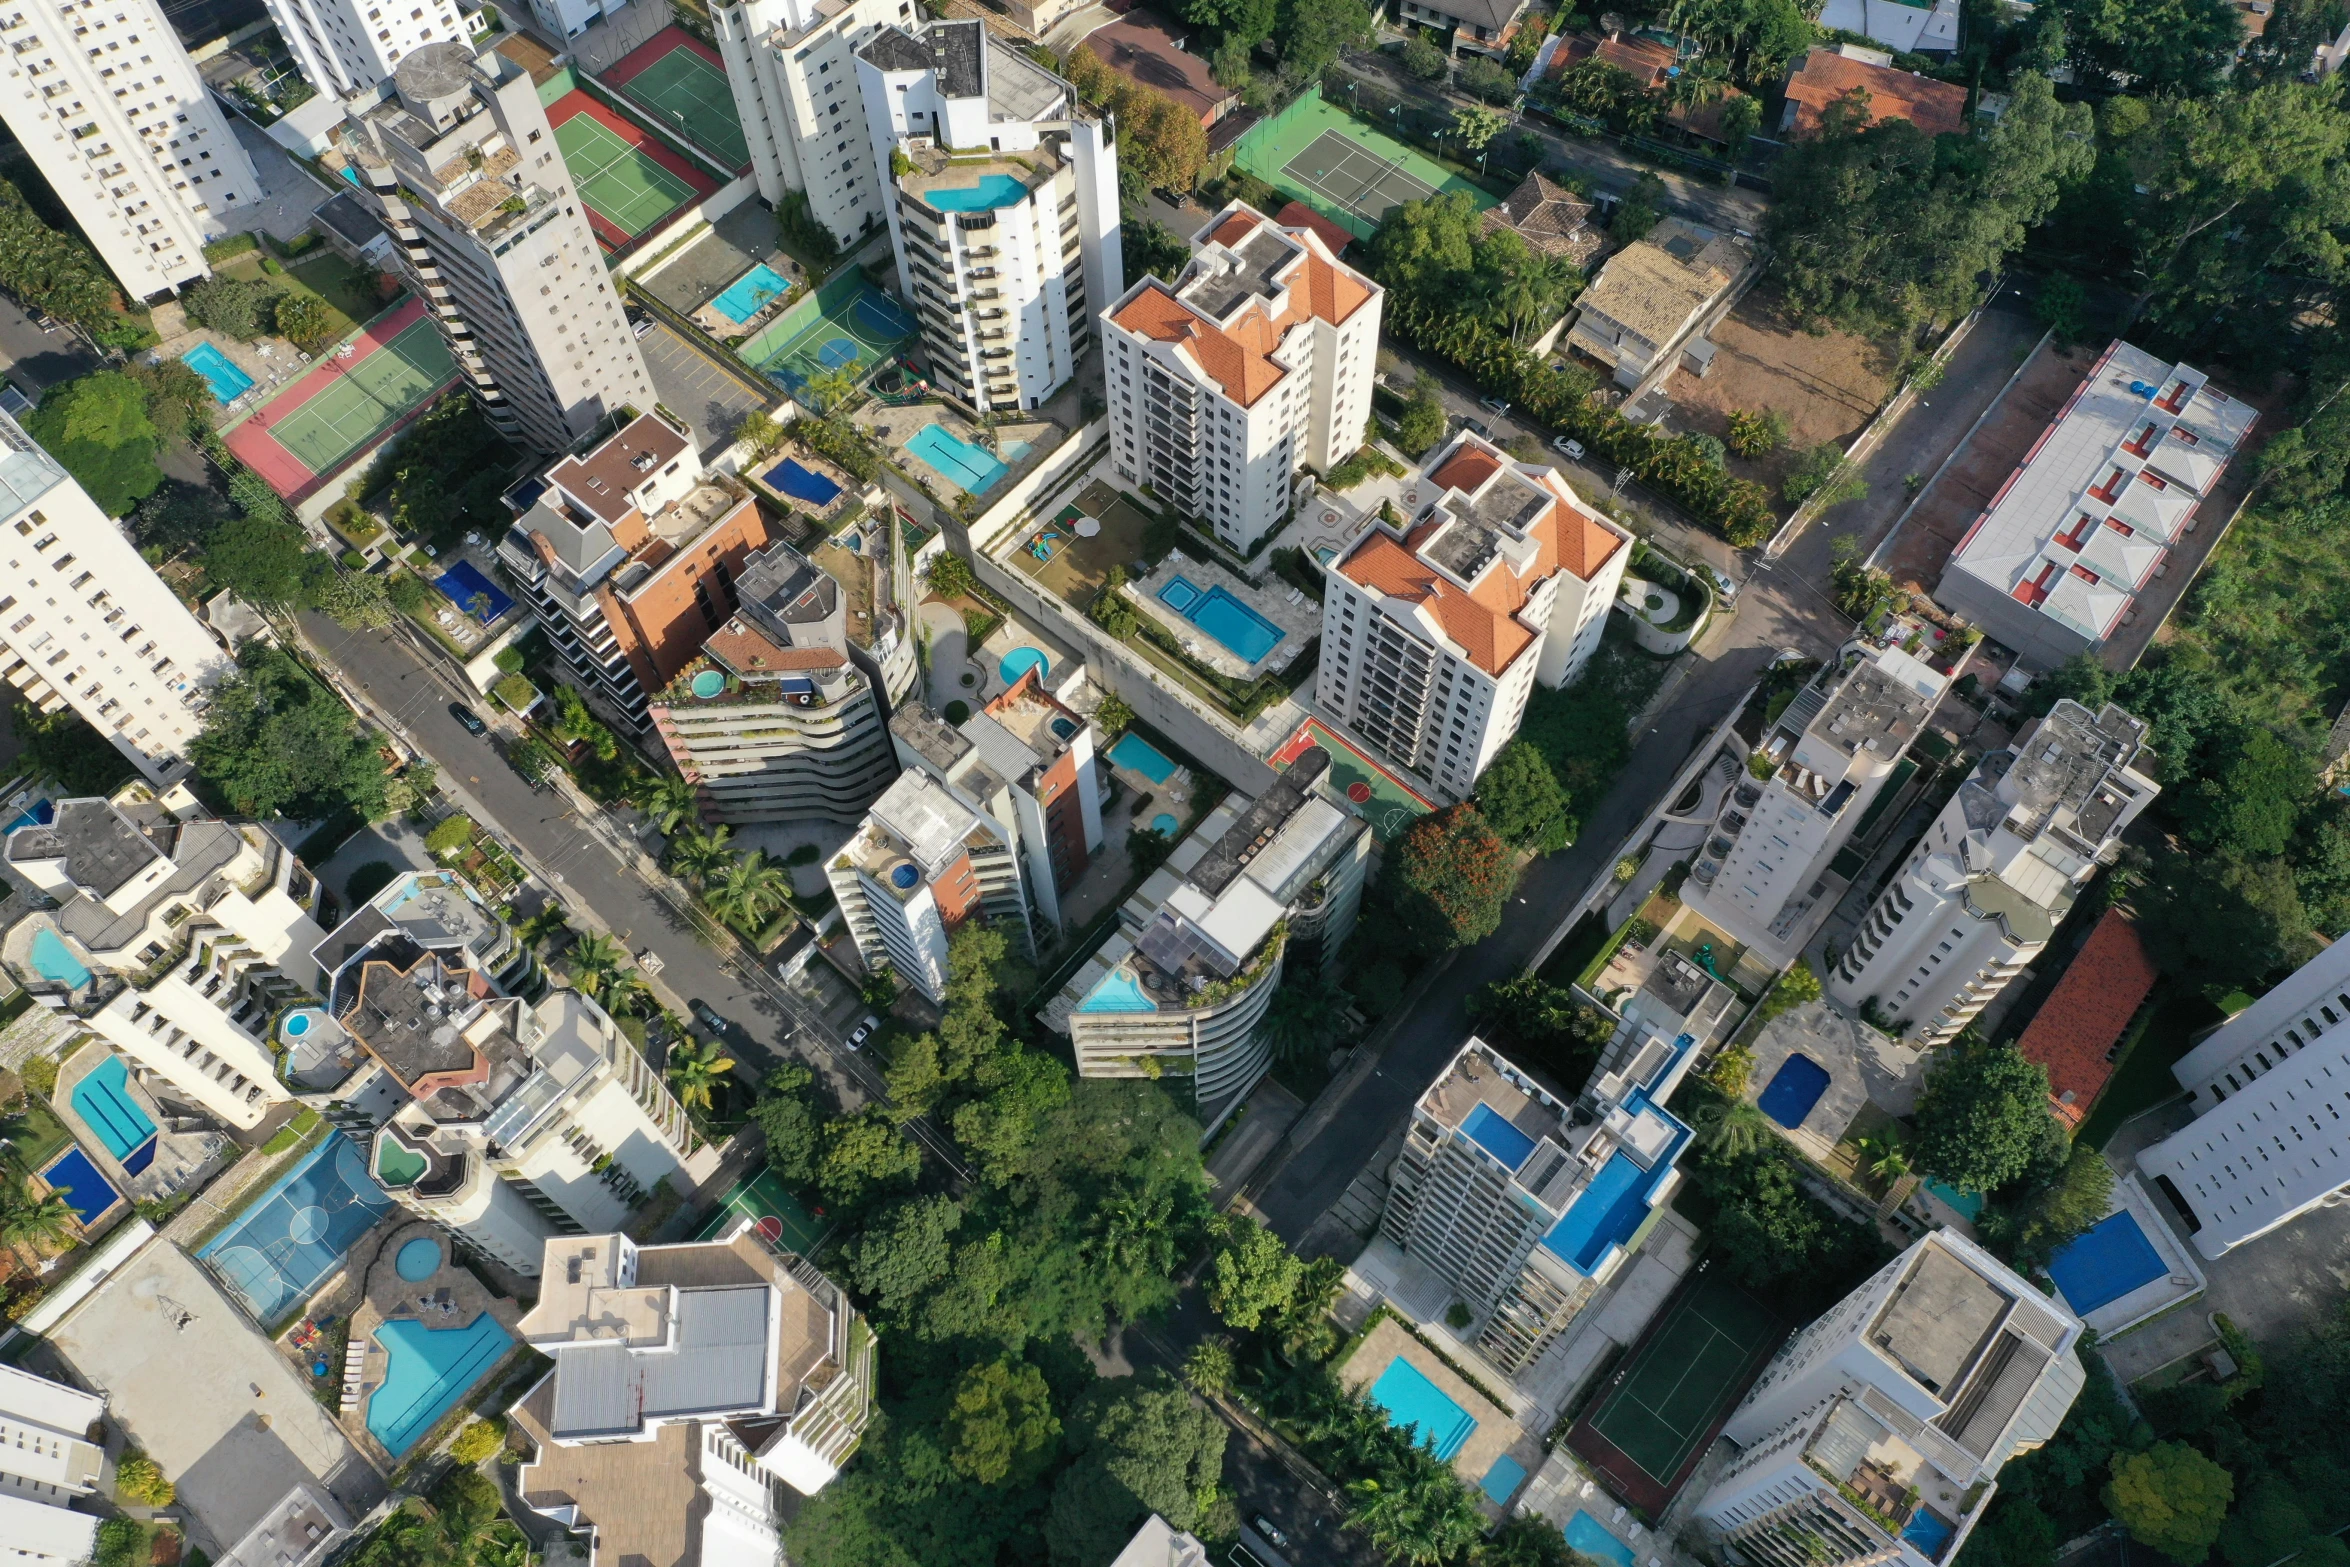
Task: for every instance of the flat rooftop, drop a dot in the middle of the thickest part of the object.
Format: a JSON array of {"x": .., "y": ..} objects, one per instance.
[{"x": 1939, "y": 1320}]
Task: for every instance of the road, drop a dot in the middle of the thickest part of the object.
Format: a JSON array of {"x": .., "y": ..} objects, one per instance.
[{"x": 36, "y": 360}]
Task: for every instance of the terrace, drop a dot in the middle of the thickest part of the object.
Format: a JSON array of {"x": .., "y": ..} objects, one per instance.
[{"x": 1222, "y": 620}]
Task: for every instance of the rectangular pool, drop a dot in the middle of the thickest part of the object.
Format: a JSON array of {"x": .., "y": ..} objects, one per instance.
[
  {"x": 967, "y": 467},
  {"x": 1238, "y": 629},
  {"x": 220, "y": 372},
  {"x": 2109, "y": 1259},
  {"x": 1410, "y": 1399},
  {"x": 1138, "y": 755},
  {"x": 747, "y": 295},
  {"x": 464, "y": 584},
  {"x": 801, "y": 483},
  {"x": 426, "y": 1371},
  {"x": 103, "y": 1101},
  {"x": 1490, "y": 1130},
  {"x": 1794, "y": 1089},
  {"x": 1587, "y": 1536},
  {"x": 77, "y": 1180},
  {"x": 53, "y": 959}
]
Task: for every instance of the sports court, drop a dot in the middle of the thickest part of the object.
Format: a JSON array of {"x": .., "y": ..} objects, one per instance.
[
  {"x": 847, "y": 321},
  {"x": 784, "y": 1221},
  {"x": 1368, "y": 789},
  {"x": 1661, "y": 1411},
  {"x": 629, "y": 181},
  {"x": 1342, "y": 168},
  {"x": 680, "y": 82},
  {"x": 351, "y": 398},
  {"x": 280, "y": 1249}
]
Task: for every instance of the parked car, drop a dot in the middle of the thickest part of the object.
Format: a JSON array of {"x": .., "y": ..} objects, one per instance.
[
  {"x": 640, "y": 325},
  {"x": 863, "y": 1031},
  {"x": 1499, "y": 406},
  {"x": 707, "y": 1015},
  {"x": 1572, "y": 448},
  {"x": 469, "y": 718},
  {"x": 1273, "y": 1536},
  {"x": 1477, "y": 427}
]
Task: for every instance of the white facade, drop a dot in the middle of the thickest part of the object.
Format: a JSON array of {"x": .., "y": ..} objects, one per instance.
[
  {"x": 570, "y": 18},
  {"x": 107, "y": 104},
  {"x": 86, "y": 623},
  {"x": 1260, "y": 358},
  {"x": 464, "y": 169},
  {"x": 46, "y": 1460},
  {"x": 348, "y": 46},
  {"x": 1877, "y": 1433},
  {"x": 920, "y": 864},
  {"x": 792, "y": 65},
  {"x": 1761, "y": 874},
  {"x": 1005, "y": 258},
  {"x": 1997, "y": 872},
  {"x": 1434, "y": 632}
]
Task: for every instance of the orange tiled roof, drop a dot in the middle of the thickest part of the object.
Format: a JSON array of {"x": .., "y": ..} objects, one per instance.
[
  {"x": 1297, "y": 215},
  {"x": 2085, "y": 1014},
  {"x": 1937, "y": 108}
]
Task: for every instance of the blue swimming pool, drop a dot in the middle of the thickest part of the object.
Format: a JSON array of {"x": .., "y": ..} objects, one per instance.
[
  {"x": 1164, "y": 824},
  {"x": 228, "y": 383},
  {"x": 284, "y": 1245},
  {"x": 1501, "y": 1482},
  {"x": 1490, "y": 1130},
  {"x": 1020, "y": 661},
  {"x": 961, "y": 464},
  {"x": 427, "y": 1370},
  {"x": 1965, "y": 1204},
  {"x": 1793, "y": 1090},
  {"x": 992, "y": 191},
  {"x": 1138, "y": 755},
  {"x": 1245, "y": 634},
  {"x": 1606, "y": 1212},
  {"x": 1118, "y": 992},
  {"x": 1587, "y": 1536},
  {"x": 77, "y": 1180},
  {"x": 474, "y": 593},
  {"x": 746, "y": 295},
  {"x": 103, "y": 1101},
  {"x": 38, "y": 814},
  {"x": 801, "y": 483},
  {"x": 1928, "y": 1533},
  {"x": 53, "y": 959},
  {"x": 2110, "y": 1259},
  {"x": 418, "y": 1260},
  {"x": 1410, "y": 1399}
]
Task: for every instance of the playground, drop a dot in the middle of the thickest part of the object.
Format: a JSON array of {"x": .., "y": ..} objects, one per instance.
[
  {"x": 846, "y": 322},
  {"x": 629, "y": 182},
  {"x": 680, "y": 83},
  {"x": 351, "y": 399},
  {"x": 1343, "y": 169},
  {"x": 784, "y": 1221},
  {"x": 1074, "y": 563}
]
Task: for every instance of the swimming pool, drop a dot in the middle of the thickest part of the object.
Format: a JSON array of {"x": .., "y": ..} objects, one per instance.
[
  {"x": 1793, "y": 1090},
  {"x": 228, "y": 383},
  {"x": 418, "y": 1260},
  {"x": 801, "y": 483},
  {"x": 426, "y": 1371},
  {"x": 1490, "y": 1130},
  {"x": 1245, "y": 634},
  {"x": 77, "y": 1180},
  {"x": 285, "y": 1244},
  {"x": 1587, "y": 1536},
  {"x": 746, "y": 295},
  {"x": 1120, "y": 992},
  {"x": 961, "y": 464},
  {"x": 1138, "y": 755},
  {"x": 1020, "y": 661},
  {"x": 103, "y": 1101},
  {"x": 53, "y": 959},
  {"x": 1410, "y": 1399},
  {"x": 992, "y": 191},
  {"x": 2110, "y": 1259},
  {"x": 464, "y": 583},
  {"x": 1501, "y": 1482},
  {"x": 1965, "y": 1204},
  {"x": 38, "y": 814},
  {"x": 1164, "y": 824}
]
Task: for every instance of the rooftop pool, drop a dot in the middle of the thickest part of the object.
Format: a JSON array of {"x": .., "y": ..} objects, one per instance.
[{"x": 992, "y": 191}]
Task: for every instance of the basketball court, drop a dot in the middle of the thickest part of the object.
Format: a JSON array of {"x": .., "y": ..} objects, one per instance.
[
  {"x": 680, "y": 83},
  {"x": 629, "y": 181},
  {"x": 279, "y": 1250},
  {"x": 1368, "y": 789},
  {"x": 846, "y": 322},
  {"x": 1343, "y": 169},
  {"x": 350, "y": 399},
  {"x": 784, "y": 1221}
]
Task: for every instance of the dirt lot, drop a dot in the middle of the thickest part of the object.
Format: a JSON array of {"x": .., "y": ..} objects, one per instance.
[{"x": 1827, "y": 385}]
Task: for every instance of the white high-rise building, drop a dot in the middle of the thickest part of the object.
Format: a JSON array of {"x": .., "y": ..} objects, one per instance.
[
  {"x": 792, "y": 65},
  {"x": 1761, "y": 876},
  {"x": 464, "y": 168},
  {"x": 1997, "y": 872},
  {"x": 1005, "y": 257},
  {"x": 1877, "y": 1433},
  {"x": 1260, "y": 358},
  {"x": 107, "y": 104},
  {"x": 348, "y": 46},
  {"x": 46, "y": 1460},
  {"x": 920, "y": 864},
  {"x": 1435, "y": 631},
  {"x": 2267, "y": 1074},
  {"x": 84, "y": 622}
]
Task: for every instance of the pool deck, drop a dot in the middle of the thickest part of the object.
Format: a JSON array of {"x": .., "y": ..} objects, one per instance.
[
  {"x": 725, "y": 328},
  {"x": 1864, "y": 1067},
  {"x": 1298, "y": 617},
  {"x": 1498, "y": 1431},
  {"x": 891, "y": 428},
  {"x": 182, "y": 1158},
  {"x": 382, "y": 1296}
]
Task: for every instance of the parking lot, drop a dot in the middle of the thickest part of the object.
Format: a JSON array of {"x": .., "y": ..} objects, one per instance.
[{"x": 698, "y": 391}]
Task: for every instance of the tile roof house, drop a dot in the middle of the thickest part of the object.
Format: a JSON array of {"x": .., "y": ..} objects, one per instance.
[
  {"x": 1643, "y": 59},
  {"x": 1551, "y": 218},
  {"x": 2077, "y": 1028},
  {"x": 1654, "y": 294},
  {"x": 1825, "y": 75},
  {"x": 1478, "y": 26},
  {"x": 1145, "y": 50}
]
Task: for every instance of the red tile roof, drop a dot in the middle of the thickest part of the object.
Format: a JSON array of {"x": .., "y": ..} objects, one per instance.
[
  {"x": 2085, "y": 1014},
  {"x": 1643, "y": 59},
  {"x": 1937, "y": 108},
  {"x": 1297, "y": 215},
  {"x": 1144, "y": 49}
]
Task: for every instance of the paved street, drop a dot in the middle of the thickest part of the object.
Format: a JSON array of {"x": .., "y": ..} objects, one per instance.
[{"x": 36, "y": 360}]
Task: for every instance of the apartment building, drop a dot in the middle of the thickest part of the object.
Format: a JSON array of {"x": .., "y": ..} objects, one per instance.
[
  {"x": 2265, "y": 1074},
  {"x": 464, "y": 169},
  {"x": 1877, "y": 1433},
  {"x": 46, "y": 1460},
  {"x": 784, "y": 714},
  {"x": 1654, "y": 296},
  {"x": 1763, "y": 874},
  {"x": 570, "y": 18},
  {"x": 688, "y": 1381},
  {"x": 1263, "y": 888},
  {"x": 1258, "y": 359},
  {"x": 1025, "y": 760},
  {"x": 348, "y": 46},
  {"x": 1005, "y": 258},
  {"x": 1434, "y": 630},
  {"x": 110, "y": 109},
  {"x": 920, "y": 864},
  {"x": 1997, "y": 872},
  {"x": 793, "y": 67},
  {"x": 629, "y": 557},
  {"x": 175, "y": 937},
  {"x": 2087, "y": 521}
]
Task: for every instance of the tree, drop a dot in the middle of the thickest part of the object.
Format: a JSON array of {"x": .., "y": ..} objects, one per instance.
[
  {"x": 696, "y": 1068},
  {"x": 1637, "y": 212},
  {"x": 229, "y": 306},
  {"x": 1481, "y": 78},
  {"x": 1733, "y": 1127},
  {"x": 864, "y": 1157},
  {"x": 1422, "y": 422},
  {"x": 63, "y": 748},
  {"x": 1307, "y": 1017},
  {"x": 1542, "y": 1026},
  {"x": 788, "y": 1122},
  {"x": 1245, "y": 22},
  {"x": 903, "y": 1253},
  {"x": 749, "y": 890},
  {"x": 179, "y": 401},
  {"x": 1981, "y": 1116},
  {"x": 1423, "y": 59},
  {"x": 1757, "y": 434},
  {"x": 276, "y": 743},
  {"x": 267, "y": 564},
  {"x": 1799, "y": 985},
  {"x": 1521, "y": 798},
  {"x": 1422, "y": 1523},
  {"x": 951, "y": 576},
  {"x": 2172, "y": 1498},
  {"x": 36, "y": 1222},
  {"x": 57, "y": 273},
  {"x": 479, "y": 1440},
  {"x": 1824, "y": 475},
  {"x": 668, "y": 800},
  {"x": 139, "y": 1480},
  {"x": 2246, "y": 793},
  {"x": 836, "y": 384},
  {"x": 1142, "y": 1447},
  {"x": 2043, "y": 1221},
  {"x": 305, "y": 320},
  {"x": 2153, "y": 47},
  {"x": 698, "y": 855},
  {"x": 1000, "y": 1424},
  {"x": 1209, "y": 1369},
  {"x": 98, "y": 428},
  {"x": 1111, "y": 610},
  {"x": 1151, "y": 247},
  {"x": 1113, "y": 717},
  {"x": 2213, "y": 919},
  {"x": 1741, "y": 118},
  {"x": 1311, "y": 34},
  {"x": 356, "y": 601},
  {"x": 1454, "y": 877},
  {"x": 1253, "y": 1274}
]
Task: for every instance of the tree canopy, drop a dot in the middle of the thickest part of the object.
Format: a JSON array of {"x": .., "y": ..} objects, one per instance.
[
  {"x": 1982, "y": 1116},
  {"x": 277, "y": 743},
  {"x": 1453, "y": 877},
  {"x": 98, "y": 429}
]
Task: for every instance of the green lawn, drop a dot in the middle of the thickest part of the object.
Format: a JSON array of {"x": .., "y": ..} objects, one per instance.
[
  {"x": 350, "y": 289},
  {"x": 2143, "y": 1079}
]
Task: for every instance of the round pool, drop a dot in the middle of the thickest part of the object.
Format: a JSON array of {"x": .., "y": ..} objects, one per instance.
[
  {"x": 298, "y": 1025},
  {"x": 708, "y": 683},
  {"x": 1164, "y": 825},
  {"x": 1020, "y": 661},
  {"x": 419, "y": 1260}
]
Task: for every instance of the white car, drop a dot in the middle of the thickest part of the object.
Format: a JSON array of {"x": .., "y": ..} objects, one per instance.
[
  {"x": 1573, "y": 449},
  {"x": 1497, "y": 405},
  {"x": 863, "y": 1031}
]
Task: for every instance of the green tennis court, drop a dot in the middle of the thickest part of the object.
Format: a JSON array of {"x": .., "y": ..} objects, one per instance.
[
  {"x": 1683, "y": 1376},
  {"x": 627, "y": 187},
  {"x": 1341, "y": 167},
  {"x": 783, "y": 1220},
  {"x": 690, "y": 94},
  {"x": 366, "y": 399}
]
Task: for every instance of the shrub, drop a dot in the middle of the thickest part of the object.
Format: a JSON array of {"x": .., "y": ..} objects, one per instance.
[
  {"x": 478, "y": 1441},
  {"x": 139, "y": 1479},
  {"x": 1757, "y": 434},
  {"x": 516, "y": 692},
  {"x": 509, "y": 661},
  {"x": 1823, "y": 474},
  {"x": 39, "y": 1076},
  {"x": 450, "y": 836}
]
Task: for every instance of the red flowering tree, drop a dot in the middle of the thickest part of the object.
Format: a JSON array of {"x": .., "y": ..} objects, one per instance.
[{"x": 1453, "y": 876}]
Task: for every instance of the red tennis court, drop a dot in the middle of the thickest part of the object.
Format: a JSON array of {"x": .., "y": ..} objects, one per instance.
[
  {"x": 345, "y": 405},
  {"x": 629, "y": 182}
]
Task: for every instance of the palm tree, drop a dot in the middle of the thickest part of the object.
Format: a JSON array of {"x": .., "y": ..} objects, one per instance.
[
  {"x": 697, "y": 854},
  {"x": 595, "y": 957},
  {"x": 696, "y": 1067},
  {"x": 1701, "y": 82},
  {"x": 670, "y": 799},
  {"x": 833, "y": 387},
  {"x": 1307, "y": 1017},
  {"x": 749, "y": 890},
  {"x": 1883, "y": 1156},
  {"x": 29, "y": 1222},
  {"x": 1735, "y": 1129},
  {"x": 624, "y": 991}
]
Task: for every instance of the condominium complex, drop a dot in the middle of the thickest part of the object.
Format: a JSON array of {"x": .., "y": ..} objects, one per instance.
[
  {"x": 1997, "y": 871},
  {"x": 175, "y": 937},
  {"x": 2265, "y": 1075},
  {"x": 86, "y": 623},
  {"x": 2087, "y": 521},
  {"x": 1876, "y": 1433},
  {"x": 348, "y": 46},
  {"x": 1434, "y": 630},
  {"x": 793, "y": 67},
  {"x": 920, "y": 864},
  {"x": 110, "y": 109},
  {"x": 1258, "y": 359},
  {"x": 1762, "y": 876},
  {"x": 1026, "y": 760},
  {"x": 689, "y": 1380},
  {"x": 1262, "y": 889},
  {"x": 1005, "y": 257},
  {"x": 629, "y": 558},
  {"x": 47, "y": 1458},
  {"x": 464, "y": 168}
]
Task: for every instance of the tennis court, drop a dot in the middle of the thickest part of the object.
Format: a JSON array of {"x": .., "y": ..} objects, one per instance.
[
  {"x": 847, "y": 321},
  {"x": 629, "y": 181},
  {"x": 681, "y": 82},
  {"x": 1343, "y": 169},
  {"x": 347, "y": 402},
  {"x": 784, "y": 1221},
  {"x": 1656, "y": 1418}
]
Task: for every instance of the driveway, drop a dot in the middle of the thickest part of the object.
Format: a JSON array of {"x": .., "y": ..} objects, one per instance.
[{"x": 710, "y": 398}]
